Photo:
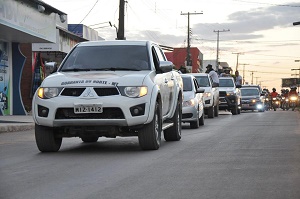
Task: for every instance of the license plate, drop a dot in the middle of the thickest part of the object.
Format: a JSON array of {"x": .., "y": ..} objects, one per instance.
[
  {"x": 245, "y": 105},
  {"x": 88, "y": 108}
]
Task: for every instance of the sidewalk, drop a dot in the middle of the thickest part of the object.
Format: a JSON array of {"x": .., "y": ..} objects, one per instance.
[{"x": 12, "y": 123}]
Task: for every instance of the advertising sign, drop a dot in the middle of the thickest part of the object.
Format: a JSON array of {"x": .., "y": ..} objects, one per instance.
[
  {"x": 4, "y": 79},
  {"x": 288, "y": 82}
]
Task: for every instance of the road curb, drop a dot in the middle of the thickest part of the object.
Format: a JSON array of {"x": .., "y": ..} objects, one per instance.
[{"x": 16, "y": 127}]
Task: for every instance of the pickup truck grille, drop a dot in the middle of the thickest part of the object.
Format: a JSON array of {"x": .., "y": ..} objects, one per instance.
[
  {"x": 76, "y": 92},
  {"x": 222, "y": 93},
  {"x": 108, "y": 113}
]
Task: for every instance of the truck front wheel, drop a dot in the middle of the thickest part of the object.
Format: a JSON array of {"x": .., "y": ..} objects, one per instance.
[
  {"x": 46, "y": 140},
  {"x": 150, "y": 135}
]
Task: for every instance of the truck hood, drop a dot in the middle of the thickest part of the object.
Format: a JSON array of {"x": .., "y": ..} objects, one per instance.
[
  {"x": 228, "y": 89},
  {"x": 95, "y": 78}
]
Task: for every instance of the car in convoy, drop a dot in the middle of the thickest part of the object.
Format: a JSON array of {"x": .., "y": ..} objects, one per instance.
[
  {"x": 251, "y": 99},
  {"x": 230, "y": 95},
  {"x": 193, "y": 104},
  {"x": 211, "y": 94},
  {"x": 110, "y": 89}
]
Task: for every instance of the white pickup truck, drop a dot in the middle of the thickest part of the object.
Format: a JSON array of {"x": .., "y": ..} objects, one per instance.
[
  {"x": 211, "y": 94},
  {"x": 110, "y": 89}
]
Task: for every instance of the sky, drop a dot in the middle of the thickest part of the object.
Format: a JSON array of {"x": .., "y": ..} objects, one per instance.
[{"x": 261, "y": 36}]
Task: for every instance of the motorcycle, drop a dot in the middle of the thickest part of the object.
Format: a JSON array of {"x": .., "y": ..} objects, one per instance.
[
  {"x": 275, "y": 103},
  {"x": 293, "y": 101},
  {"x": 285, "y": 104}
]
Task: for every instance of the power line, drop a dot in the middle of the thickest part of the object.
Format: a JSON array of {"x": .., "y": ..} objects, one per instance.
[{"x": 85, "y": 15}]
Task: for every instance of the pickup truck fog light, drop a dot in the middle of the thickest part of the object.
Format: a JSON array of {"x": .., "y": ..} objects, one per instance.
[
  {"x": 42, "y": 111},
  {"x": 137, "y": 110}
]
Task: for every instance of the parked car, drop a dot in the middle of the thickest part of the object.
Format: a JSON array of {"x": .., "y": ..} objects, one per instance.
[
  {"x": 110, "y": 89},
  {"x": 230, "y": 95},
  {"x": 193, "y": 104},
  {"x": 252, "y": 99},
  {"x": 211, "y": 94}
]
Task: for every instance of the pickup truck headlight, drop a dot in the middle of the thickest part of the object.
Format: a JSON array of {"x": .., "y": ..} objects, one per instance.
[
  {"x": 135, "y": 91},
  {"x": 190, "y": 102},
  {"x": 229, "y": 93},
  {"x": 47, "y": 93},
  {"x": 206, "y": 94}
]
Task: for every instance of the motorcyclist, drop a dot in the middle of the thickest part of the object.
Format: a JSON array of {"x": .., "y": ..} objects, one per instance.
[
  {"x": 293, "y": 91},
  {"x": 273, "y": 94},
  {"x": 293, "y": 94}
]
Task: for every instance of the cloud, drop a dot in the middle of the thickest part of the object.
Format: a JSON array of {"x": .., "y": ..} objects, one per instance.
[{"x": 247, "y": 24}]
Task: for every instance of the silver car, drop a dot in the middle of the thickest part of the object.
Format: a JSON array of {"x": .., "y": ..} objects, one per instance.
[{"x": 193, "y": 104}]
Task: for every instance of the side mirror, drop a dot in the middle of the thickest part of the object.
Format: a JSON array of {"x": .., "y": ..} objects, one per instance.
[
  {"x": 52, "y": 66},
  {"x": 200, "y": 90},
  {"x": 166, "y": 66},
  {"x": 238, "y": 86}
]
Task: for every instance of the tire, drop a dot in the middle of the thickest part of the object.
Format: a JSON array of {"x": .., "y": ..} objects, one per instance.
[
  {"x": 238, "y": 111},
  {"x": 150, "y": 135},
  {"x": 89, "y": 139},
  {"x": 174, "y": 133},
  {"x": 201, "y": 120},
  {"x": 195, "y": 124},
  {"x": 210, "y": 112},
  {"x": 46, "y": 140},
  {"x": 234, "y": 110},
  {"x": 216, "y": 111}
]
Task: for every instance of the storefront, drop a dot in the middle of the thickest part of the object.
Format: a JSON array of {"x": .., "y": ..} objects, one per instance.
[{"x": 27, "y": 21}]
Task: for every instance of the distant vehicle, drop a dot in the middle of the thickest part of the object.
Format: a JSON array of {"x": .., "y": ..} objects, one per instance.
[
  {"x": 230, "y": 95},
  {"x": 211, "y": 94},
  {"x": 109, "y": 89},
  {"x": 251, "y": 99},
  {"x": 193, "y": 104}
]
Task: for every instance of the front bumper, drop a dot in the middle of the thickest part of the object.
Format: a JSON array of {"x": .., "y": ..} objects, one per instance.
[
  {"x": 252, "y": 106},
  {"x": 227, "y": 102},
  {"x": 189, "y": 114},
  {"x": 116, "y": 111}
]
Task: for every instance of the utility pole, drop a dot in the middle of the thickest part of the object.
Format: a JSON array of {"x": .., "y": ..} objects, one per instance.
[
  {"x": 121, "y": 29},
  {"x": 244, "y": 72},
  {"x": 188, "y": 56},
  {"x": 237, "y": 59},
  {"x": 256, "y": 79},
  {"x": 252, "y": 72},
  {"x": 218, "y": 32}
]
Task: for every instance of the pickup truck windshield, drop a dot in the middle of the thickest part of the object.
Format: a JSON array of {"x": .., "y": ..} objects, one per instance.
[
  {"x": 226, "y": 83},
  {"x": 203, "y": 81},
  {"x": 89, "y": 58},
  {"x": 249, "y": 92}
]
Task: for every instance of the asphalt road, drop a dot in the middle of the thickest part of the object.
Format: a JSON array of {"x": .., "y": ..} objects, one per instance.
[{"x": 252, "y": 155}]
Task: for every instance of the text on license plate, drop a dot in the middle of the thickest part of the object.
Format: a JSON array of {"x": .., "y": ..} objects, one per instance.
[{"x": 88, "y": 108}]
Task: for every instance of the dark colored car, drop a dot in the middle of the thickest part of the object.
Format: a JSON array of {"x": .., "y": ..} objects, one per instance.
[{"x": 252, "y": 99}]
